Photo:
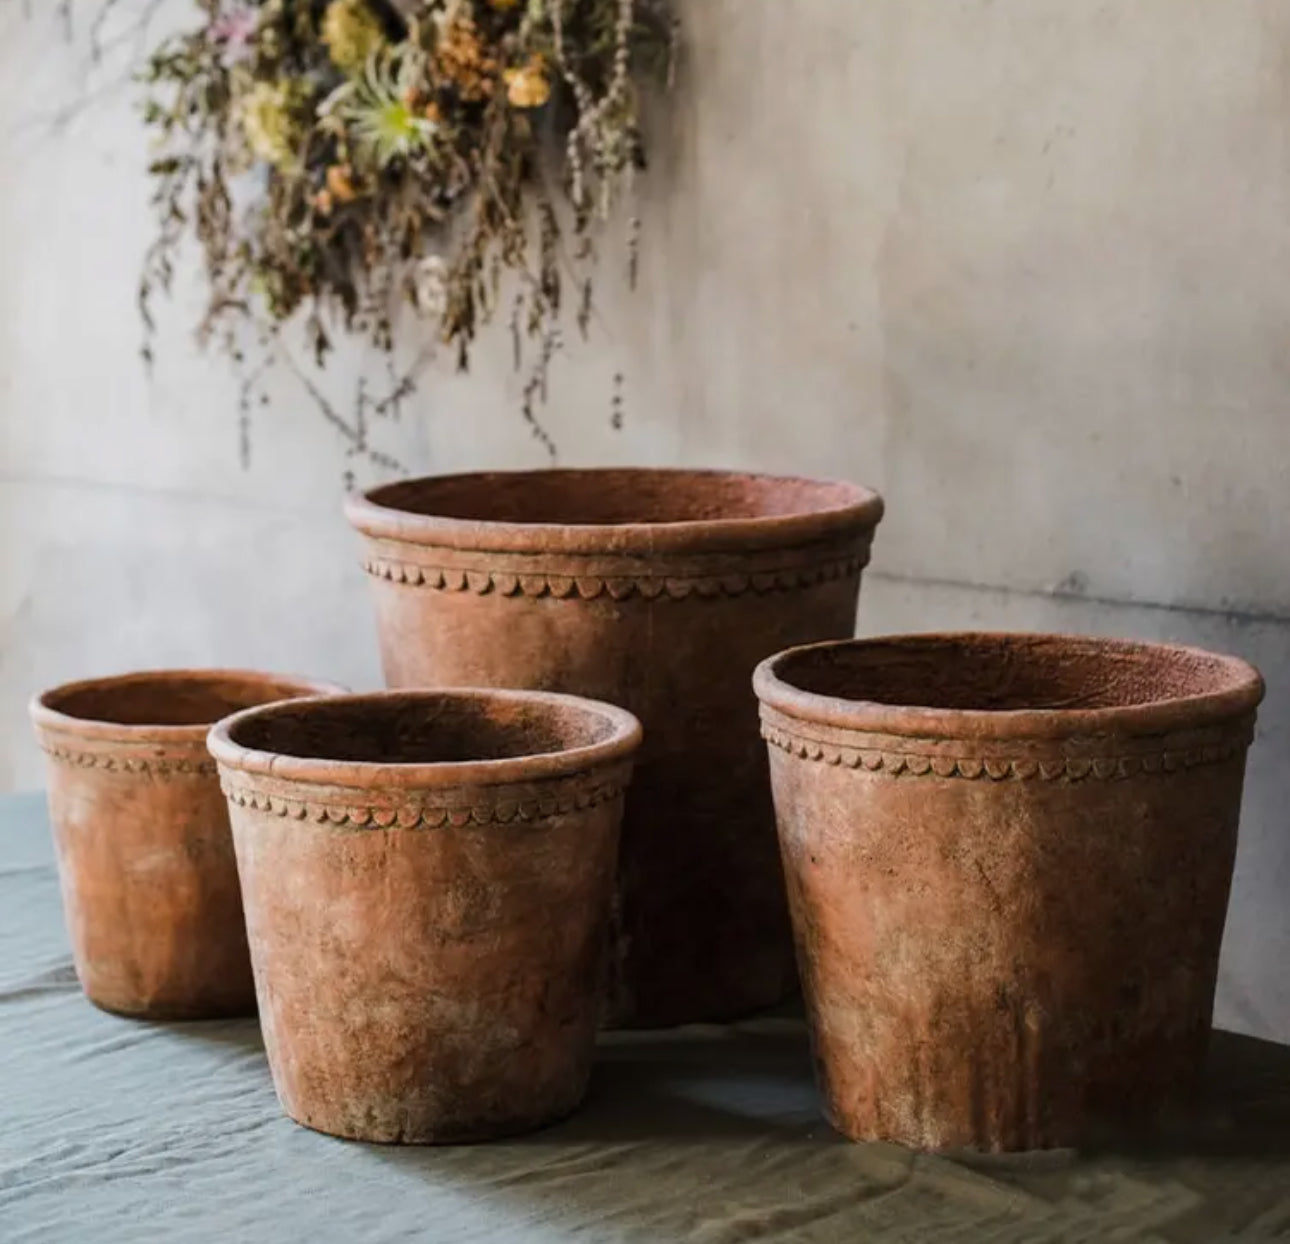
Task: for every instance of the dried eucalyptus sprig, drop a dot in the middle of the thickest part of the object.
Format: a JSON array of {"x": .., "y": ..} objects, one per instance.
[{"x": 347, "y": 159}]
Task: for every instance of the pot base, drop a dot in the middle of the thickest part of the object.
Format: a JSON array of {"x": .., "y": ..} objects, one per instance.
[
  {"x": 440, "y": 1135},
  {"x": 191, "y": 1013}
]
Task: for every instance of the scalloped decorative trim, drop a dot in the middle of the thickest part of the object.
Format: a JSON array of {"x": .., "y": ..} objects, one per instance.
[
  {"x": 169, "y": 767},
  {"x": 620, "y": 587},
  {"x": 418, "y": 815},
  {"x": 998, "y": 768}
]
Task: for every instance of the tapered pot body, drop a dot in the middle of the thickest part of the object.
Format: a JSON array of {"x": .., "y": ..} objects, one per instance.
[
  {"x": 145, "y": 858},
  {"x": 1008, "y": 861},
  {"x": 659, "y": 591},
  {"x": 427, "y": 880}
]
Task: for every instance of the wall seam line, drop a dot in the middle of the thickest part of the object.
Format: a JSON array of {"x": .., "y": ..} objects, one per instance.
[{"x": 1236, "y": 615}]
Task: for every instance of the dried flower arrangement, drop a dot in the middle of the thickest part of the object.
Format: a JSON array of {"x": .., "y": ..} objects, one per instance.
[{"x": 346, "y": 159}]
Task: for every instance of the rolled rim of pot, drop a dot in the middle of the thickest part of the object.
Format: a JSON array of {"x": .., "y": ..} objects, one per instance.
[
  {"x": 426, "y": 739},
  {"x": 163, "y": 706},
  {"x": 1006, "y": 685},
  {"x": 633, "y": 510}
]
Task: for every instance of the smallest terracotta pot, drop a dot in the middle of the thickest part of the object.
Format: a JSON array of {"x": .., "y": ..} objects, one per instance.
[
  {"x": 428, "y": 879},
  {"x": 145, "y": 857}
]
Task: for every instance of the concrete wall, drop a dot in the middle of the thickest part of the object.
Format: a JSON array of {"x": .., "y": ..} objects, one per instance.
[{"x": 1024, "y": 265}]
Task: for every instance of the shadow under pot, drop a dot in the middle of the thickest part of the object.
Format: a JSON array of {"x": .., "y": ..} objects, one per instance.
[
  {"x": 141, "y": 834},
  {"x": 660, "y": 591},
  {"x": 427, "y": 879},
  {"x": 1008, "y": 861}
]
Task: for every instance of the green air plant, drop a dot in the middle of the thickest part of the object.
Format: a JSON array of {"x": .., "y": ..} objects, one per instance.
[{"x": 378, "y": 109}]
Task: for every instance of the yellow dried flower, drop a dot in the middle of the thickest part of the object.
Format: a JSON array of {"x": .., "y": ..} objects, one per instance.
[
  {"x": 352, "y": 33},
  {"x": 461, "y": 58},
  {"x": 340, "y": 183},
  {"x": 528, "y": 87},
  {"x": 270, "y": 129}
]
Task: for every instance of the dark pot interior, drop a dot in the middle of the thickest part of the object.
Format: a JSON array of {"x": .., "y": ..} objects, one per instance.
[
  {"x": 167, "y": 699},
  {"x": 1008, "y": 673},
  {"x": 614, "y": 497},
  {"x": 421, "y": 730}
]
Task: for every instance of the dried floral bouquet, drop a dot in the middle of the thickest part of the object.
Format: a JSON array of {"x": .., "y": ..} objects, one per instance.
[{"x": 349, "y": 158}]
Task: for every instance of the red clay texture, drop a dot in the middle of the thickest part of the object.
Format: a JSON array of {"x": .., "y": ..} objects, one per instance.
[
  {"x": 659, "y": 591},
  {"x": 1008, "y": 861},
  {"x": 145, "y": 858},
  {"x": 428, "y": 879}
]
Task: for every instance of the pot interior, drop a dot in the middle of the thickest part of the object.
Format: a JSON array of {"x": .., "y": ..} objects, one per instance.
[
  {"x": 421, "y": 729},
  {"x": 167, "y": 699},
  {"x": 1003, "y": 673},
  {"x": 614, "y": 497}
]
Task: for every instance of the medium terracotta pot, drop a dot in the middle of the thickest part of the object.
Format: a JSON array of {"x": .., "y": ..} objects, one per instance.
[
  {"x": 1008, "y": 862},
  {"x": 427, "y": 879},
  {"x": 145, "y": 859},
  {"x": 660, "y": 591}
]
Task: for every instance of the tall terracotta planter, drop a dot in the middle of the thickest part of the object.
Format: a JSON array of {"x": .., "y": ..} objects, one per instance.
[
  {"x": 427, "y": 879},
  {"x": 660, "y": 591},
  {"x": 1008, "y": 862},
  {"x": 145, "y": 859}
]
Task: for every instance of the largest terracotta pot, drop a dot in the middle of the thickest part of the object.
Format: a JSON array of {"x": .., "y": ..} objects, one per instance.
[
  {"x": 659, "y": 591},
  {"x": 1008, "y": 859}
]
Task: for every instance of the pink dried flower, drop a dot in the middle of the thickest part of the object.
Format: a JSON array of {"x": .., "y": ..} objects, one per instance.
[{"x": 235, "y": 30}]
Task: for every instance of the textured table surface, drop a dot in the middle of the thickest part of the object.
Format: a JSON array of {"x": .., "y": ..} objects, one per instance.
[{"x": 112, "y": 1130}]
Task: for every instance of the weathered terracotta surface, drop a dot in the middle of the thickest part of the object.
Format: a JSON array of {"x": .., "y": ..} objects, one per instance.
[
  {"x": 427, "y": 879},
  {"x": 1008, "y": 862},
  {"x": 145, "y": 859},
  {"x": 659, "y": 591}
]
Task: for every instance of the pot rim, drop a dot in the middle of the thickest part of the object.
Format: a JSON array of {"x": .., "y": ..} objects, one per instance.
[
  {"x": 1240, "y": 694},
  {"x": 621, "y": 744},
  {"x": 45, "y": 717},
  {"x": 861, "y": 508}
]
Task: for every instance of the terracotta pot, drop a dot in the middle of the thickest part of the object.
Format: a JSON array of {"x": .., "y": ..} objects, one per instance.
[
  {"x": 145, "y": 859},
  {"x": 427, "y": 879},
  {"x": 1008, "y": 862},
  {"x": 660, "y": 591}
]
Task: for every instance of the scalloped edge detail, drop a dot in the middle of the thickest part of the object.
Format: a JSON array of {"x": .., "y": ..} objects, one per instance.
[
  {"x": 1002, "y": 768},
  {"x": 418, "y": 815},
  {"x": 619, "y": 587},
  {"x": 154, "y": 767}
]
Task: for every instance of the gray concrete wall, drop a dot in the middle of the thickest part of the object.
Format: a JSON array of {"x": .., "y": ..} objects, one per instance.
[{"x": 1024, "y": 265}]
